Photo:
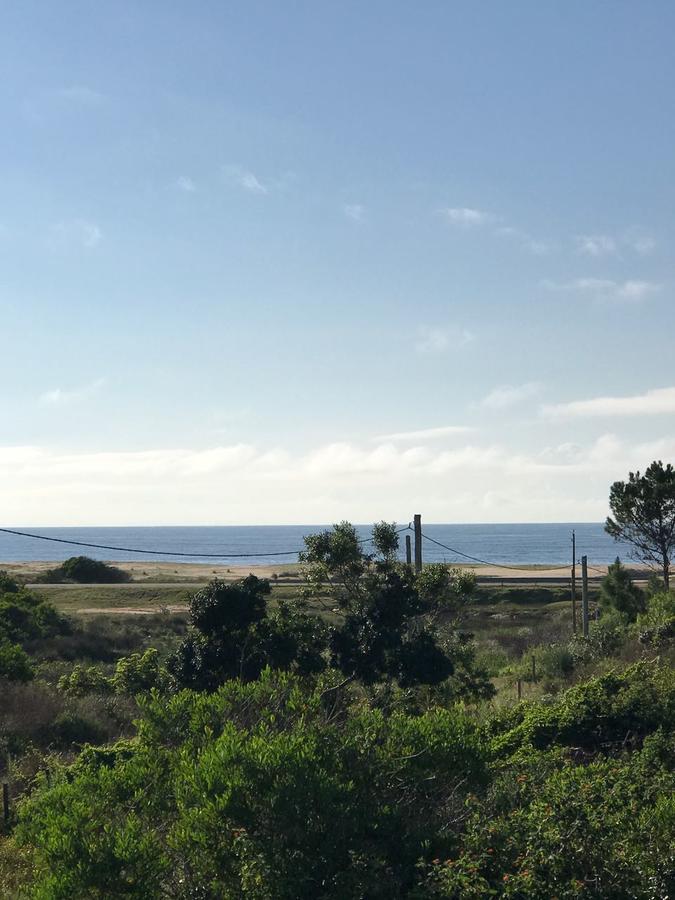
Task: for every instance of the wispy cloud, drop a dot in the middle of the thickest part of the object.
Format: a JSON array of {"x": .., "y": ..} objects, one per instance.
[
  {"x": 425, "y": 434},
  {"x": 660, "y": 401},
  {"x": 75, "y": 233},
  {"x": 64, "y": 397},
  {"x": 354, "y": 211},
  {"x": 431, "y": 340},
  {"x": 596, "y": 244},
  {"x": 186, "y": 184},
  {"x": 245, "y": 179},
  {"x": 525, "y": 239},
  {"x": 467, "y": 217},
  {"x": 79, "y": 94},
  {"x": 507, "y": 395},
  {"x": 606, "y": 289},
  {"x": 602, "y": 245}
]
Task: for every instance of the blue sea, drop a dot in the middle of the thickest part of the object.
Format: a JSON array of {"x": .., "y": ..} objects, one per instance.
[{"x": 261, "y": 544}]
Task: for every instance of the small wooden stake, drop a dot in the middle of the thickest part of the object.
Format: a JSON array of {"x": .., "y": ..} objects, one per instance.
[
  {"x": 408, "y": 550},
  {"x": 534, "y": 669},
  {"x": 5, "y": 802},
  {"x": 520, "y": 688}
]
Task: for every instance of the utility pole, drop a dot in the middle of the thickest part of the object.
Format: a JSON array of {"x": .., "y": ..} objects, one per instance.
[
  {"x": 584, "y": 595},
  {"x": 574, "y": 582},
  {"x": 408, "y": 551},
  {"x": 418, "y": 542}
]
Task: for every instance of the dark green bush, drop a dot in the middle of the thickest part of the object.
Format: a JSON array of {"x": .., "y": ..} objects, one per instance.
[
  {"x": 85, "y": 570},
  {"x": 15, "y": 664}
]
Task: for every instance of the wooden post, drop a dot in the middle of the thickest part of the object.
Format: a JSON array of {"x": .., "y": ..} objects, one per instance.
[
  {"x": 584, "y": 596},
  {"x": 574, "y": 583},
  {"x": 534, "y": 669},
  {"x": 519, "y": 685},
  {"x": 418, "y": 542},
  {"x": 5, "y": 802},
  {"x": 408, "y": 551}
]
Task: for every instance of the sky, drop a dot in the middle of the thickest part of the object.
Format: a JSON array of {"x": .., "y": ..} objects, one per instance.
[{"x": 303, "y": 262}]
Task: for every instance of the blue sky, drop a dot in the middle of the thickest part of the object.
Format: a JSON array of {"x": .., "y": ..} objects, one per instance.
[{"x": 267, "y": 262}]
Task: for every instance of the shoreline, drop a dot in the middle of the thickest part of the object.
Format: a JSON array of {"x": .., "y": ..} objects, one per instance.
[{"x": 190, "y": 572}]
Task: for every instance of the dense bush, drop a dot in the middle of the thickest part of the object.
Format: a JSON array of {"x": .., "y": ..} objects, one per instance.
[
  {"x": 24, "y": 617},
  {"x": 258, "y": 790},
  {"x": 85, "y": 570},
  {"x": 15, "y": 664}
]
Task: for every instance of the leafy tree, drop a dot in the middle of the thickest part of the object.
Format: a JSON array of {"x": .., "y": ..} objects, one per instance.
[
  {"x": 643, "y": 510},
  {"x": 233, "y": 636},
  {"x": 618, "y": 592},
  {"x": 386, "y": 612}
]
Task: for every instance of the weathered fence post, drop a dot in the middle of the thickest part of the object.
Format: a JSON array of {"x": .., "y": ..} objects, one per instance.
[
  {"x": 408, "y": 551},
  {"x": 5, "y": 802},
  {"x": 534, "y": 668},
  {"x": 519, "y": 685}
]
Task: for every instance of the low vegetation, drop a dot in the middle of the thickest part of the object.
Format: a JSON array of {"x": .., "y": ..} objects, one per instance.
[{"x": 360, "y": 737}]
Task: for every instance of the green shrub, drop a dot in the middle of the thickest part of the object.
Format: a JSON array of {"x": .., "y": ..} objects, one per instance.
[
  {"x": 15, "y": 664},
  {"x": 259, "y": 790},
  {"x": 84, "y": 680},
  {"x": 84, "y": 570},
  {"x": 138, "y": 672},
  {"x": 609, "y": 710},
  {"x": 549, "y": 830}
]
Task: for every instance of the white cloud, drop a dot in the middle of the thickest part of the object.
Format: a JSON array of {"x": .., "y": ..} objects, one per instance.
[
  {"x": 432, "y": 340},
  {"x": 354, "y": 211},
  {"x": 606, "y": 290},
  {"x": 596, "y": 244},
  {"x": 60, "y": 397},
  {"x": 245, "y": 484},
  {"x": 655, "y": 402},
  {"x": 425, "y": 434},
  {"x": 245, "y": 179},
  {"x": 467, "y": 217},
  {"x": 508, "y": 395},
  {"x": 75, "y": 233},
  {"x": 186, "y": 184}
]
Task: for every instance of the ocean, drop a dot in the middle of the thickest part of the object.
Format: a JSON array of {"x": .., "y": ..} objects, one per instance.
[{"x": 548, "y": 543}]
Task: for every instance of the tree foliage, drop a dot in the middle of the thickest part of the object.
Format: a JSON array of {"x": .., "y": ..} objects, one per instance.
[
  {"x": 234, "y": 636},
  {"x": 643, "y": 511},
  {"x": 618, "y": 592},
  {"x": 385, "y": 611}
]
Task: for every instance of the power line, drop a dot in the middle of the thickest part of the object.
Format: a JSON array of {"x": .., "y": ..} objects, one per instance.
[
  {"x": 44, "y": 537},
  {"x": 485, "y": 562}
]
